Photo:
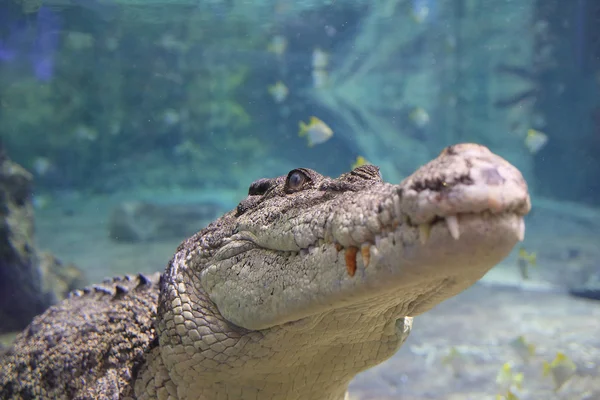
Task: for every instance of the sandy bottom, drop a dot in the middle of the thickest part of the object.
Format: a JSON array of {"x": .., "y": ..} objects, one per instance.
[
  {"x": 477, "y": 326},
  {"x": 480, "y": 324}
]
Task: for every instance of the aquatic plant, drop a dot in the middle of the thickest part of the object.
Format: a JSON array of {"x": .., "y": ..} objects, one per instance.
[
  {"x": 29, "y": 6},
  {"x": 36, "y": 43},
  {"x": 127, "y": 96}
]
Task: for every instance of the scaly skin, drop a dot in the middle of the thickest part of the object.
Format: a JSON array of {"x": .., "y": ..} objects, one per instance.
[{"x": 309, "y": 282}]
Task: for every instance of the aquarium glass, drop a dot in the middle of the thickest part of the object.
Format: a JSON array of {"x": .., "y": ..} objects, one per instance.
[{"x": 126, "y": 126}]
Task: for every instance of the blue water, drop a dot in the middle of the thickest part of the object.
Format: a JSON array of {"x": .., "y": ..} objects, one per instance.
[
  {"x": 107, "y": 101},
  {"x": 106, "y": 92}
]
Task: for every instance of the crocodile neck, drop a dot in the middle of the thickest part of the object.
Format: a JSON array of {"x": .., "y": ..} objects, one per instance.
[
  {"x": 312, "y": 280},
  {"x": 314, "y": 358}
]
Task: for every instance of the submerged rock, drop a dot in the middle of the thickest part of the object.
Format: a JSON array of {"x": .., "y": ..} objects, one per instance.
[
  {"x": 139, "y": 221},
  {"x": 30, "y": 281},
  {"x": 589, "y": 290}
]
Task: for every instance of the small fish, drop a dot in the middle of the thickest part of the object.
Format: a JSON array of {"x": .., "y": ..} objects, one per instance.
[
  {"x": 171, "y": 117},
  {"x": 316, "y": 131},
  {"x": 450, "y": 43},
  {"x": 278, "y": 45},
  {"x": 360, "y": 160},
  {"x": 282, "y": 7},
  {"x": 320, "y": 59},
  {"x": 42, "y": 166},
  {"x": 85, "y": 133},
  {"x": 41, "y": 201},
  {"x": 524, "y": 261},
  {"x": 535, "y": 140},
  {"x": 79, "y": 41},
  {"x": 187, "y": 148},
  {"x": 420, "y": 10},
  {"x": 456, "y": 361},
  {"x": 522, "y": 348},
  {"x": 508, "y": 396},
  {"x": 419, "y": 117},
  {"x": 279, "y": 91},
  {"x": 170, "y": 42},
  {"x": 506, "y": 378},
  {"x": 561, "y": 368},
  {"x": 319, "y": 78}
]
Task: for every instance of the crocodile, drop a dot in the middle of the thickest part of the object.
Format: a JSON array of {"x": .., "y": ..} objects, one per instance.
[{"x": 309, "y": 281}]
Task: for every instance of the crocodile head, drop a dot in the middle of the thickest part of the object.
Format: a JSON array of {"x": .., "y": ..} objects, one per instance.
[{"x": 312, "y": 279}]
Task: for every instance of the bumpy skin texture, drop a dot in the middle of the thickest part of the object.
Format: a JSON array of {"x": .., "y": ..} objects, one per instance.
[
  {"x": 85, "y": 347},
  {"x": 308, "y": 282}
]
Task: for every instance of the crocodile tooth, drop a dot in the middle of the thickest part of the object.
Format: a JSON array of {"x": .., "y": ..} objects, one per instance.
[
  {"x": 374, "y": 255},
  {"x": 424, "y": 232},
  {"x": 351, "y": 260},
  {"x": 366, "y": 255},
  {"x": 521, "y": 233},
  {"x": 377, "y": 240},
  {"x": 452, "y": 222}
]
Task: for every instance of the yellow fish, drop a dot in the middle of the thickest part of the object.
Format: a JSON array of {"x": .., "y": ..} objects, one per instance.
[
  {"x": 509, "y": 396},
  {"x": 522, "y": 348},
  {"x": 278, "y": 45},
  {"x": 316, "y": 131},
  {"x": 535, "y": 140},
  {"x": 456, "y": 361},
  {"x": 420, "y": 10},
  {"x": 360, "y": 160},
  {"x": 42, "y": 165},
  {"x": 419, "y": 117},
  {"x": 525, "y": 260},
  {"x": 506, "y": 379},
  {"x": 279, "y": 91},
  {"x": 561, "y": 368},
  {"x": 320, "y": 59}
]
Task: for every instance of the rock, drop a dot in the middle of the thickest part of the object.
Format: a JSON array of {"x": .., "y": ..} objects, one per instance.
[
  {"x": 59, "y": 279},
  {"x": 589, "y": 290},
  {"x": 139, "y": 221},
  {"x": 30, "y": 281}
]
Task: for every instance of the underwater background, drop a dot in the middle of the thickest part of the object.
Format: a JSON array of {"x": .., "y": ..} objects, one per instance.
[{"x": 128, "y": 125}]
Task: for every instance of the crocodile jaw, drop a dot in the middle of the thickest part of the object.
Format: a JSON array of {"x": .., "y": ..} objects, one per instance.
[
  {"x": 293, "y": 307},
  {"x": 424, "y": 240}
]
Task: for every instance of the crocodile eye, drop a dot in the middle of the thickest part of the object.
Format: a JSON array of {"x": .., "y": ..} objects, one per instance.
[{"x": 295, "y": 180}]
